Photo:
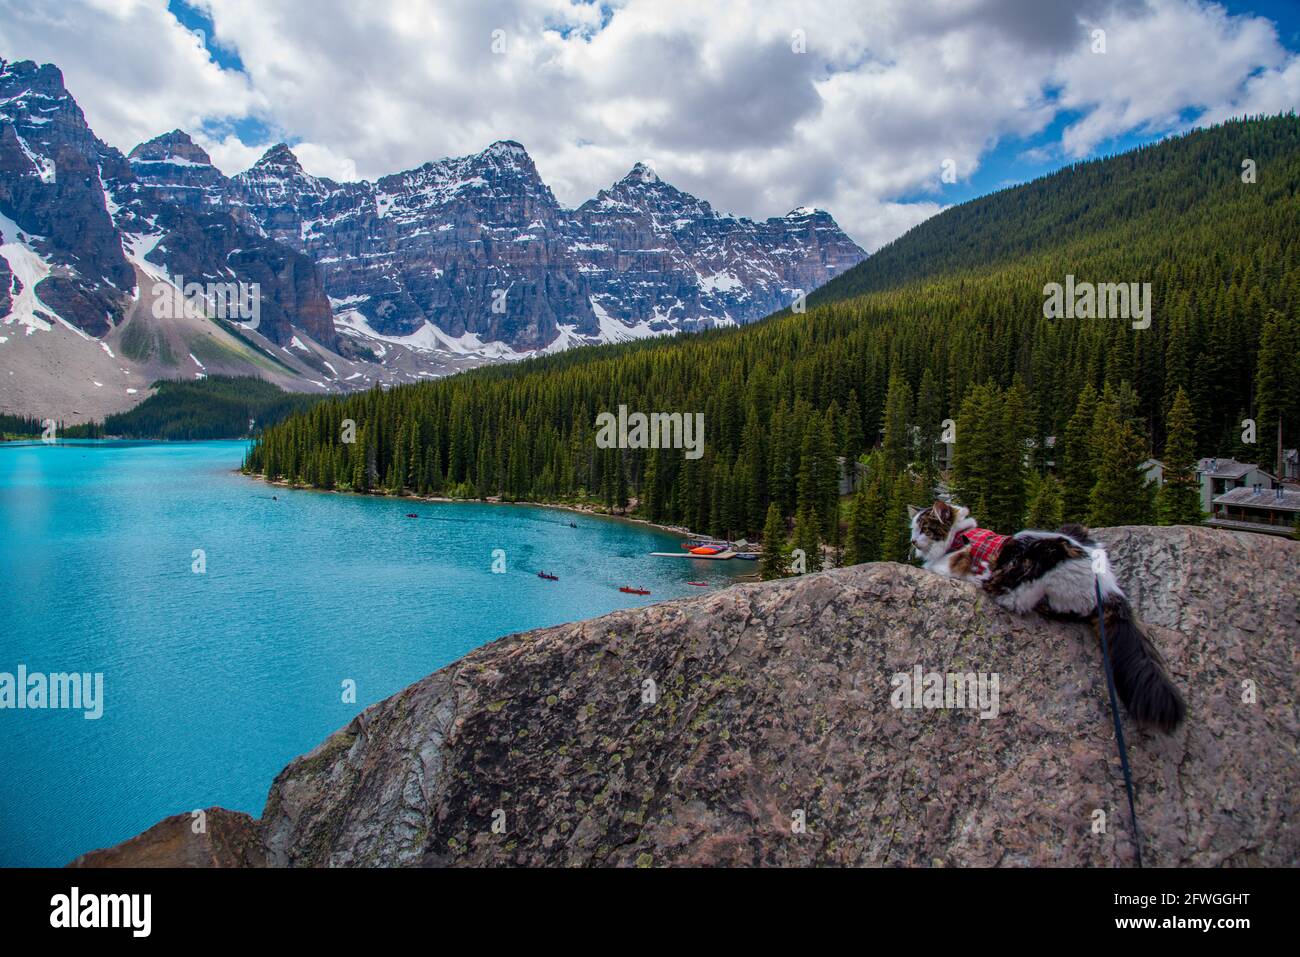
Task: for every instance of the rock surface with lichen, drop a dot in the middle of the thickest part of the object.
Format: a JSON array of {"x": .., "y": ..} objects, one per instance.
[{"x": 701, "y": 731}]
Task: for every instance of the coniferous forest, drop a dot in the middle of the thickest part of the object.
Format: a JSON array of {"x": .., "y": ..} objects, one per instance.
[
  {"x": 940, "y": 335},
  {"x": 215, "y": 407}
]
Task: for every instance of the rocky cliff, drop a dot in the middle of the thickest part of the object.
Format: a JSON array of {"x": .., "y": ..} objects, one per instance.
[
  {"x": 459, "y": 262},
  {"x": 94, "y": 220},
  {"x": 179, "y": 171},
  {"x": 754, "y": 726},
  {"x": 52, "y": 185},
  {"x": 9, "y": 285},
  {"x": 476, "y": 253}
]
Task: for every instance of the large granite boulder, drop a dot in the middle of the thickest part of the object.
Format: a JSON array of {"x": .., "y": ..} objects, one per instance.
[{"x": 769, "y": 734}]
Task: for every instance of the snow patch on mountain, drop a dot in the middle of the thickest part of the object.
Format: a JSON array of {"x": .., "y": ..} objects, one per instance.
[{"x": 29, "y": 268}]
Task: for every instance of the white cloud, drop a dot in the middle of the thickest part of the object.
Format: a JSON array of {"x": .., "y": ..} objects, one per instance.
[
  {"x": 1173, "y": 58},
  {"x": 134, "y": 71},
  {"x": 713, "y": 93},
  {"x": 229, "y": 154}
]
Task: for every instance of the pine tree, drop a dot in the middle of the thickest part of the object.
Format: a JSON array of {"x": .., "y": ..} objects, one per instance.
[
  {"x": 929, "y": 421},
  {"x": 1078, "y": 475},
  {"x": 620, "y": 487},
  {"x": 808, "y": 536},
  {"x": 980, "y": 456},
  {"x": 867, "y": 515},
  {"x": 1275, "y": 384},
  {"x": 858, "y": 546},
  {"x": 1121, "y": 495},
  {"x": 1045, "y": 504},
  {"x": 897, "y": 441},
  {"x": 828, "y": 484},
  {"x": 896, "y": 529},
  {"x": 1178, "y": 501},
  {"x": 855, "y": 440},
  {"x": 776, "y": 555},
  {"x": 486, "y": 470},
  {"x": 1006, "y": 493}
]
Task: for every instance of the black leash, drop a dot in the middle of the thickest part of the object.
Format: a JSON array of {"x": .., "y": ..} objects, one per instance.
[{"x": 1119, "y": 728}]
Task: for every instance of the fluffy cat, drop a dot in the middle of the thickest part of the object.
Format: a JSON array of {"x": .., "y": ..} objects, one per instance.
[{"x": 1053, "y": 573}]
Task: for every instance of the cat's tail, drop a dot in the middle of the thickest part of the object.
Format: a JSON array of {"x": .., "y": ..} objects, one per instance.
[{"x": 1144, "y": 686}]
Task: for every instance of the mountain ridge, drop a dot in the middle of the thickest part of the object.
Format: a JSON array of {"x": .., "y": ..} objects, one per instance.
[
  {"x": 1181, "y": 170},
  {"x": 455, "y": 263},
  {"x": 580, "y": 280}
]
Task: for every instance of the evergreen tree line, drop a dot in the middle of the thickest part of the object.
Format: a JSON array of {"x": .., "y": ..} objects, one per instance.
[
  {"x": 23, "y": 426},
  {"x": 214, "y": 407}
]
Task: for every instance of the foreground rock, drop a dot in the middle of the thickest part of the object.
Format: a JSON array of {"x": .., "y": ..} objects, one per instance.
[
  {"x": 772, "y": 706},
  {"x": 223, "y": 839}
]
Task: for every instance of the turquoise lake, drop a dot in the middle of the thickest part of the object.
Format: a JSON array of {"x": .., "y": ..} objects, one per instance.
[{"x": 212, "y": 682}]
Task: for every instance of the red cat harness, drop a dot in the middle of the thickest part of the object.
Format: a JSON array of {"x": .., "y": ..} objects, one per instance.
[{"x": 985, "y": 546}]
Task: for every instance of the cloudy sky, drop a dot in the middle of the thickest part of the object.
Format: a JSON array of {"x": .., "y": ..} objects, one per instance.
[{"x": 759, "y": 106}]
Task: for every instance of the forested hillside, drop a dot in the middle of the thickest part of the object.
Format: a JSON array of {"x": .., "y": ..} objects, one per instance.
[
  {"x": 216, "y": 407},
  {"x": 946, "y": 323}
]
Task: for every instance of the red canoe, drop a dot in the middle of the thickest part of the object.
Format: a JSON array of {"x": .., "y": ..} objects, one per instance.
[{"x": 633, "y": 591}]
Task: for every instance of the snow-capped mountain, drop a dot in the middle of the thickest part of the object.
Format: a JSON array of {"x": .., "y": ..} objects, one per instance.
[
  {"x": 656, "y": 256},
  {"x": 87, "y": 245},
  {"x": 457, "y": 262},
  {"x": 179, "y": 170},
  {"x": 478, "y": 248}
]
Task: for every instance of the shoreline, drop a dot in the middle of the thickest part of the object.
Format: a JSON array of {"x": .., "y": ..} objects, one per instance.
[{"x": 590, "y": 510}]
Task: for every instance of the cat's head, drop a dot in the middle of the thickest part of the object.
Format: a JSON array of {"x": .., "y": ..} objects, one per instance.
[{"x": 932, "y": 526}]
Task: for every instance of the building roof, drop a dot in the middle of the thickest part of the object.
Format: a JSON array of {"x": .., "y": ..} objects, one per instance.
[
  {"x": 1266, "y": 498},
  {"x": 1225, "y": 468}
]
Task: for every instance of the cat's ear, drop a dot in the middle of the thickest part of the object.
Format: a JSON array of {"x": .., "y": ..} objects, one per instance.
[
  {"x": 912, "y": 512},
  {"x": 941, "y": 508}
]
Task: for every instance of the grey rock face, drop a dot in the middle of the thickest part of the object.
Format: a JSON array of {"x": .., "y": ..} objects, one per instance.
[
  {"x": 83, "y": 204},
  {"x": 178, "y": 171},
  {"x": 469, "y": 244},
  {"x": 52, "y": 173},
  {"x": 9, "y": 286},
  {"x": 654, "y": 254},
  {"x": 472, "y": 253},
  {"x": 771, "y": 705},
  {"x": 479, "y": 245}
]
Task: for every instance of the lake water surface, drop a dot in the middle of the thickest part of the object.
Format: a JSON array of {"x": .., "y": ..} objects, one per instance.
[{"x": 214, "y": 681}]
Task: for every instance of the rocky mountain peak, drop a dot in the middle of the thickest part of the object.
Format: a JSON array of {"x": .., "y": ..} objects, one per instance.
[
  {"x": 43, "y": 78},
  {"x": 34, "y": 99},
  {"x": 178, "y": 171},
  {"x": 508, "y": 151},
  {"x": 173, "y": 146},
  {"x": 54, "y": 173},
  {"x": 642, "y": 189},
  {"x": 277, "y": 181},
  {"x": 505, "y": 161},
  {"x": 280, "y": 158},
  {"x": 641, "y": 173}
]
